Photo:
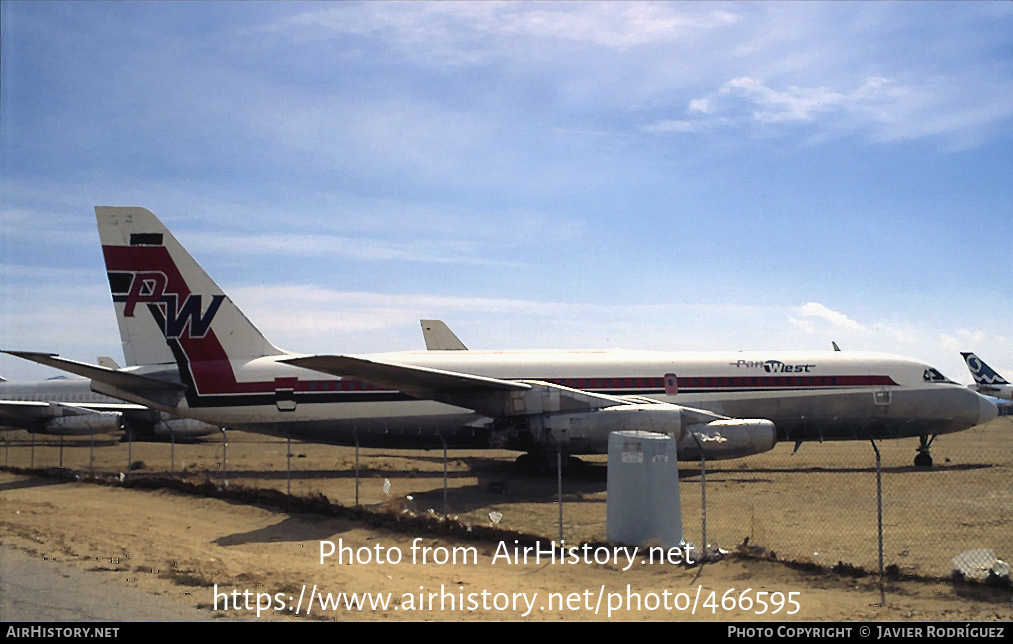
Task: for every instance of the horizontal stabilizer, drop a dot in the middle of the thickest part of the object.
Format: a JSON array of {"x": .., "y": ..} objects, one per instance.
[{"x": 121, "y": 379}]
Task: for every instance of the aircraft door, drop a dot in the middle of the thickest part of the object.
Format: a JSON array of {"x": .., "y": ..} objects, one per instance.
[
  {"x": 671, "y": 384},
  {"x": 284, "y": 393},
  {"x": 882, "y": 397}
]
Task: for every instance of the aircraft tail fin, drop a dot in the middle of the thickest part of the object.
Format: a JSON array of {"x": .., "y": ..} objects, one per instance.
[
  {"x": 168, "y": 309},
  {"x": 439, "y": 337},
  {"x": 982, "y": 373},
  {"x": 109, "y": 363}
]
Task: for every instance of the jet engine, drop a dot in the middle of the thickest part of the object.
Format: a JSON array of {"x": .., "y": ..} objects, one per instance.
[
  {"x": 587, "y": 432},
  {"x": 183, "y": 428},
  {"x": 84, "y": 424},
  {"x": 721, "y": 439}
]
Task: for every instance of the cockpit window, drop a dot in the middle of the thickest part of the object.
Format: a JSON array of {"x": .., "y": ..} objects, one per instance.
[{"x": 931, "y": 375}]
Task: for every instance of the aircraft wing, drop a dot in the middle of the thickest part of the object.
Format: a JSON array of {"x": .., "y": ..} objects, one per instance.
[
  {"x": 121, "y": 379},
  {"x": 29, "y": 408},
  {"x": 43, "y": 409},
  {"x": 124, "y": 406},
  {"x": 422, "y": 382},
  {"x": 493, "y": 396}
]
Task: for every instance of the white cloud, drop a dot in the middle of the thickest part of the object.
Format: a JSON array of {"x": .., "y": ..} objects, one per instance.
[
  {"x": 817, "y": 310},
  {"x": 804, "y": 325},
  {"x": 964, "y": 339},
  {"x": 471, "y": 32},
  {"x": 886, "y": 109},
  {"x": 673, "y": 126},
  {"x": 791, "y": 104},
  {"x": 434, "y": 251},
  {"x": 700, "y": 105}
]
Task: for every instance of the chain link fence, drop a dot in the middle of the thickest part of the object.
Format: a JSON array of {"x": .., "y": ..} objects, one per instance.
[{"x": 817, "y": 504}]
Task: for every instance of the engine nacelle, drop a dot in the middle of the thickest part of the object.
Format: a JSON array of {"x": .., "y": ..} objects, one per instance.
[
  {"x": 588, "y": 432},
  {"x": 731, "y": 438},
  {"x": 84, "y": 424},
  {"x": 183, "y": 428}
]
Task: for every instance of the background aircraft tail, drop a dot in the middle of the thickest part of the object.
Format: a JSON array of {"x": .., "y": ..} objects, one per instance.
[
  {"x": 439, "y": 337},
  {"x": 168, "y": 309},
  {"x": 982, "y": 373}
]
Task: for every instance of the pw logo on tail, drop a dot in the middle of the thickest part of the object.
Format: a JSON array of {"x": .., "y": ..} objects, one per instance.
[{"x": 177, "y": 321}]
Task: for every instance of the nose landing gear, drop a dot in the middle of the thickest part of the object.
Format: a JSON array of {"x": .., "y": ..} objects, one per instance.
[{"x": 924, "y": 457}]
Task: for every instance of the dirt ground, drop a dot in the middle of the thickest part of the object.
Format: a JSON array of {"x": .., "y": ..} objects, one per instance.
[{"x": 815, "y": 506}]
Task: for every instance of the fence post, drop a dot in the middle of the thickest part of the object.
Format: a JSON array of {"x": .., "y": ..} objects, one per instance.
[
  {"x": 559, "y": 487},
  {"x": 225, "y": 448},
  {"x": 879, "y": 511},
  {"x": 355, "y": 434},
  {"x": 703, "y": 496},
  {"x": 444, "y": 441}
]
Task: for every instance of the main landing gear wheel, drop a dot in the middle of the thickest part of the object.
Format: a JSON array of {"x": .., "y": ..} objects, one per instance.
[
  {"x": 924, "y": 457},
  {"x": 543, "y": 462},
  {"x": 532, "y": 463}
]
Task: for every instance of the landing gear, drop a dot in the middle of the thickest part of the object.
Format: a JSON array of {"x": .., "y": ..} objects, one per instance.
[
  {"x": 532, "y": 462},
  {"x": 540, "y": 462},
  {"x": 924, "y": 457}
]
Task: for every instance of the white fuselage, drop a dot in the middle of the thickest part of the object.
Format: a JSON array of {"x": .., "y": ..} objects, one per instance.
[
  {"x": 996, "y": 391},
  {"x": 808, "y": 395}
]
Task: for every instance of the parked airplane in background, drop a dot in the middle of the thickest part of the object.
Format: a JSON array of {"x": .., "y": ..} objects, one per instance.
[
  {"x": 986, "y": 380},
  {"x": 202, "y": 358},
  {"x": 59, "y": 406},
  {"x": 68, "y": 406},
  {"x": 439, "y": 337}
]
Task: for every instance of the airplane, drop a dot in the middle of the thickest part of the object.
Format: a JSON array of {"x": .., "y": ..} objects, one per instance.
[
  {"x": 69, "y": 407},
  {"x": 986, "y": 380},
  {"x": 198, "y": 356},
  {"x": 439, "y": 337},
  {"x": 58, "y": 406},
  {"x": 435, "y": 332}
]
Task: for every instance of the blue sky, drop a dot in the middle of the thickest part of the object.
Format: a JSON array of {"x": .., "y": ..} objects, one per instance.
[{"x": 646, "y": 176}]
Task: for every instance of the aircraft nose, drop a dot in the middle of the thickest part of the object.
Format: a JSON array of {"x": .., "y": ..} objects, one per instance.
[{"x": 988, "y": 410}]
